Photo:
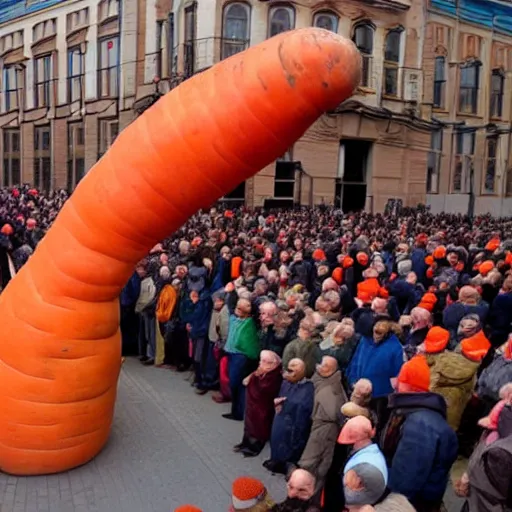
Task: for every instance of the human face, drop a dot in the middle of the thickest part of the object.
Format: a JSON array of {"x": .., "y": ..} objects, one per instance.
[
  {"x": 267, "y": 362},
  {"x": 379, "y": 332},
  {"x": 243, "y": 309},
  {"x": 266, "y": 316},
  {"x": 300, "y": 488}
]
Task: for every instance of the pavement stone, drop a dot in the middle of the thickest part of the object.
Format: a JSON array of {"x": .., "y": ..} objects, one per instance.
[{"x": 168, "y": 447}]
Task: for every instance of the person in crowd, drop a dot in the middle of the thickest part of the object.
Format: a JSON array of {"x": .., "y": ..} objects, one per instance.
[
  {"x": 242, "y": 348},
  {"x": 329, "y": 397},
  {"x": 416, "y": 327},
  {"x": 418, "y": 443},
  {"x": 300, "y": 493},
  {"x": 292, "y": 421},
  {"x": 340, "y": 345},
  {"x": 145, "y": 307},
  {"x": 129, "y": 323},
  {"x": 262, "y": 388}
]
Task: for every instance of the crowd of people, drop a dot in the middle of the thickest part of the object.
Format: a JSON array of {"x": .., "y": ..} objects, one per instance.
[{"x": 369, "y": 350}]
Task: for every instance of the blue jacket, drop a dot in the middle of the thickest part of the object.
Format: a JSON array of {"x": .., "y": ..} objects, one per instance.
[
  {"x": 378, "y": 362},
  {"x": 197, "y": 315},
  {"x": 131, "y": 291},
  {"x": 419, "y": 267},
  {"x": 427, "y": 447}
]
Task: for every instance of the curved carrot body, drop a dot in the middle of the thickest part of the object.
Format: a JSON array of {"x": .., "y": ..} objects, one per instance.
[{"x": 59, "y": 340}]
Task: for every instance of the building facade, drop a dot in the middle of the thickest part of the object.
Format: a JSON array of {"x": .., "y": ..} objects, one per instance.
[
  {"x": 67, "y": 73},
  {"x": 375, "y": 147},
  {"x": 468, "y": 77}
]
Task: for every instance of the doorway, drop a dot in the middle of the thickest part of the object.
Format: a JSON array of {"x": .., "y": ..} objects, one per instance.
[{"x": 351, "y": 183}]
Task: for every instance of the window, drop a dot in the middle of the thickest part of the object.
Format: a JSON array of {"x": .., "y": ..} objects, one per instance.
[
  {"x": 439, "y": 82},
  {"x": 109, "y": 129},
  {"x": 75, "y": 74},
  {"x": 468, "y": 89},
  {"x": 497, "y": 87},
  {"x": 12, "y": 158},
  {"x": 490, "y": 168},
  {"x": 284, "y": 182},
  {"x": 281, "y": 19},
  {"x": 43, "y": 81},
  {"x": 109, "y": 67},
  {"x": 10, "y": 88},
  {"x": 391, "y": 62},
  {"x": 363, "y": 39},
  {"x": 434, "y": 162},
  {"x": 109, "y": 9},
  {"x": 76, "y": 154},
  {"x": 463, "y": 162},
  {"x": 190, "y": 39},
  {"x": 236, "y": 29},
  {"x": 326, "y": 20},
  {"x": 42, "y": 158}
]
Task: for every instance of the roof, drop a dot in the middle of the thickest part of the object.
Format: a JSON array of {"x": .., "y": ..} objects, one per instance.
[{"x": 13, "y": 9}]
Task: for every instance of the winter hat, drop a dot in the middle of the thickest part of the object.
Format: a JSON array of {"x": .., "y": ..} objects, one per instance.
[
  {"x": 439, "y": 252},
  {"x": 428, "y": 301},
  {"x": 436, "y": 340},
  {"x": 355, "y": 430},
  {"x": 362, "y": 258},
  {"x": 247, "y": 492},
  {"x": 31, "y": 223},
  {"x": 7, "y": 230},
  {"x": 188, "y": 508},
  {"x": 475, "y": 347},
  {"x": 492, "y": 244},
  {"x": 337, "y": 275},
  {"x": 416, "y": 373},
  {"x": 319, "y": 255},
  {"x": 486, "y": 267},
  {"x": 404, "y": 267}
]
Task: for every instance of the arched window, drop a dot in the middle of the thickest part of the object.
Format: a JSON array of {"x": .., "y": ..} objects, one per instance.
[
  {"x": 392, "y": 62},
  {"x": 236, "y": 28},
  {"x": 327, "y": 20},
  {"x": 363, "y": 39},
  {"x": 281, "y": 19}
]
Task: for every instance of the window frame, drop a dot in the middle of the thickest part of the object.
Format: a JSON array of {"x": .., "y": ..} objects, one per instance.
[
  {"x": 9, "y": 156},
  {"x": 391, "y": 64},
  {"x": 76, "y": 153},
  {"x": 366, "y": 53},
  {"x": 45, "y": 83},
  {"x": 439, "y": 85},
  {"x": 490, "y": 161},
  {"x": 237, "y": 44},
  {"x": 43, "y": 174},
  {"x": 434, "y": 160},
  {"x": 73, "y": 78},
  {"x": 115, "y": 39},
  {"x": 326, "y": 12},
  {"x": 273, "y": 9},
  {"x": 463, "y": 160},
  {"x": 104, "y": 131},
  {"x": 9, "y": 93},
  {"x": 190, "y": 36},
  {"x": 472, "y": 91},
  {"x": 496, "y": 98}
]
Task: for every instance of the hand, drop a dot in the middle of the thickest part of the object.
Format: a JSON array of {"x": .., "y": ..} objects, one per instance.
[
  {"x": 405, "y": 321},
  {"x": 189, "y": 327},
  {"x": 246, "y": 381},
  {"x": 279, "y": 400},
  {"x": 194, "y": 297}
]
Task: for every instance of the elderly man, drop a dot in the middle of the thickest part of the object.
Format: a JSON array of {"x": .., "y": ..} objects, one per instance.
[
  {"x": 301, "y": 489},
  {"x": 267, "y": 334},
  {"x": 329, "y": 397}
]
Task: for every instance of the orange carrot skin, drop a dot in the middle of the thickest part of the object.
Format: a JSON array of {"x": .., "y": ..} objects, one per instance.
[{"x": 59, "y": 340}]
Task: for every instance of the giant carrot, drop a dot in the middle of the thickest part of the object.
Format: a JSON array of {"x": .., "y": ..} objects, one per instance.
[{"x": 59, "y": 339}]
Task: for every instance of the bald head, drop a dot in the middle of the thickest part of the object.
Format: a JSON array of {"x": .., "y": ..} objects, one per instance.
[
  {"x": 328, "y": 367},
  {"x": 301, "y": 485}
]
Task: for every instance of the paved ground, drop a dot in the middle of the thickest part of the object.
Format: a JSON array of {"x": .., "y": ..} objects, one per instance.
[{"x": 168, "y": 447}]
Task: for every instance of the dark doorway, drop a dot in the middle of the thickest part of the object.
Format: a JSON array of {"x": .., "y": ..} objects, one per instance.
[
  {"x": 236, "y": 197},
  {"x": 351, "y": 187}
]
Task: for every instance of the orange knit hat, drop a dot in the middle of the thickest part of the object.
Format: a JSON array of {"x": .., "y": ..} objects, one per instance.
[
  {"x": 436, "y": 340},
  {"x": 362, "y": 258},
  {"x": 486, "y": 267},
  {"x": 247, "y": 492},
  {"x": 439, "y": 252},
  {"x": 7, "y": 230},
  {"x": 319, "y": 255},
  {"x": 475, "y": 347},
  {"x": 347, "y": 262},
  {"x": 337, "y": 275},
  {"x": 428, "y": 301},
  {"x": 492, "y": 244},
  {"x": 188, "y": 508},
  {"x": 416, "y": 373}
]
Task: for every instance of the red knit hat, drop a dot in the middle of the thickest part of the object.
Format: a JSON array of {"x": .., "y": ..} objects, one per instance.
[
  {"x": 475, "y": 347},
  {"x": 247, "y": 492},
  {"x": 188, "y": 508},
  {"x": 319, "y": 255}
]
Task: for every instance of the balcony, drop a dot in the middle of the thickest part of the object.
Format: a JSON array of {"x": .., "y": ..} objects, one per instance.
[{"x": 198, "y": 55}]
